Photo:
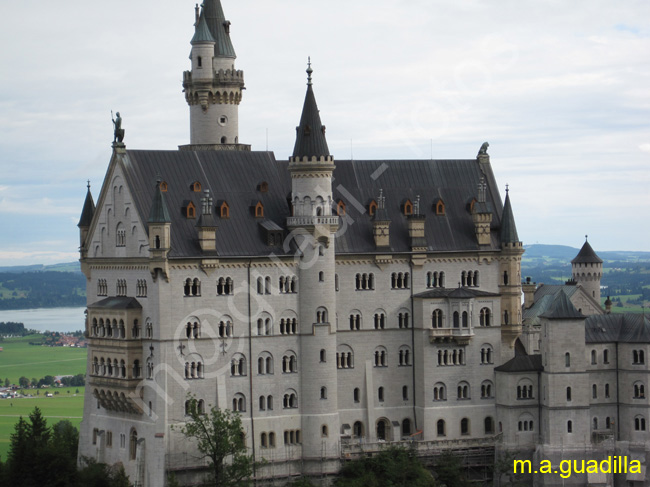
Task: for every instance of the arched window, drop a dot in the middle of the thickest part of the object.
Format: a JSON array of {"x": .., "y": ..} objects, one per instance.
[
  {"x": 405, "y": 393},
  {"x": 357, "y": 429},
  {"x": 486, "y": 389},
  {"x": 439, "y": 392},
  {"x": 639, "y": 390},
  {"x": 323, "y": 392},
  {"x": 593, "y": 357},
  {"x": 324, "y": 431},
  {"x": 594, "y": 391},
  {"x": 464, "y": 426},
  {"x": 323, "y": 355},
  {"x": 321, "y": 315},
  {"x": 356, "y": 394},
  {"x": 488, "y": 425},
  {"x": 485, "y": 317},
  {"x": 441, "y": 428},
  {"x": 605, "y": 356},
  {"x": 406, "y": 427},
  {"x": 568, "y": 394},
  {"x": 465, "y": 319},
  {"x": 133, "y": 444},
  {"x": 436, "y": 318},
  {"x": 463, "y": 390},
  {"x": 456, "y": 319},
  {"x": 380, "y": 394},
  {"x": 639, "y": 423},
  {"x": 239, "y": 403},
  {"x": 569, "y": 426},
  {"x": 567, "y": 359},
  {"x": 487, "y": 355}
]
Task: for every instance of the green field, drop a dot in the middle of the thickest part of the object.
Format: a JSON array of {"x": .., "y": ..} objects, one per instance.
[
  {"x": 65, "y": 405},
  {"x": 19, "y": 358}
]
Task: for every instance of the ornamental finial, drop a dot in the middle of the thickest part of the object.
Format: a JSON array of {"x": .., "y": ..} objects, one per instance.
[{"x": 309, "y": 71}]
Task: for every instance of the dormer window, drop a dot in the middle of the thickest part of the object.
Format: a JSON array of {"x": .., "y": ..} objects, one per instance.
[
  {"x": 259, "y": 210},
  {"x": 372, "y": 207},
  {"x": 190, "y": 211},
  {"x": 196, "y": 187},
  {"x": 263, "y": 187},
  {"x": 340, "y": 208},
  {"x": 408, "y": 208},
  {"x": 470, "y": 205},
  {"x": 439, "y": 207},
  {"x": 163, "y": 186},
  {"x": 224, "y": 210}
]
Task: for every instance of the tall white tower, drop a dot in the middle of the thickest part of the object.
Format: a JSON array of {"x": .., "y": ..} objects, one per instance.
[
  {"x": 314, "y": 226},
  {"x": 213, "y": 88}
]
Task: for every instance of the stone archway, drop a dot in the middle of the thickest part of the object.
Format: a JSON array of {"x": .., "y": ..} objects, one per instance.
[{"x": 384, "y": 430}]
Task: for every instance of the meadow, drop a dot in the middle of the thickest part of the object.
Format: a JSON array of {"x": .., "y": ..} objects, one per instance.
[{"x": 19, "y": 358}]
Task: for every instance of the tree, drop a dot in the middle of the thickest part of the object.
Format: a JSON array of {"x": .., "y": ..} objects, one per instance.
[
  {"x": 449, "y": 470},
  {"x": 34, "y": 382},
  {"x": 395, "y": 466},
  {"x": 23, "y": 381},
  {"x": 219, "y": 437},
  {"x": 7, "y": 382}
]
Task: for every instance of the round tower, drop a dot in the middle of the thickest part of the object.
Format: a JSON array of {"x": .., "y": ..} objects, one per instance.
[
  {"x": 314, "y": 227},
  {"x": 587, "y": 270},
  {"x": 213, "y": 88}
]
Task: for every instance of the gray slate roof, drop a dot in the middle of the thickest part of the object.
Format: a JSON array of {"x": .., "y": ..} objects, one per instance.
[
  {"x": 310, "y": 134},
  {"x": 159, "y": 212},
  {"x": 202, "y": 32},
  {"x": 522, "y": 363},
  {"x": 508, "y": 227},
  {"x": 88, "y": 210},
  {"x": 114, "y": 302},
  {"x": 587, "y": 256},
  {"x": 562, "y": 309},
  {"x": 622, "y": 328},
  {"x": 216, "y": 20},
  {"x": 234, "y": 176}
]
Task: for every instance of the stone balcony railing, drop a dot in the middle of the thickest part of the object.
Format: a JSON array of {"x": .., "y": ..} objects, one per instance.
[
  {"x": 460, "y": 335},
  {"x": 353, "y": 447},
  {"x": 296, "y": 221}
]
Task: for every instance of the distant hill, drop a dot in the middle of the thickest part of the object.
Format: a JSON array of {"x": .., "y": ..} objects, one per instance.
[
  {"x": 42, "y": 289},
  {"x": 65, "y": 267},
  {"x": 564, "y": 254}
]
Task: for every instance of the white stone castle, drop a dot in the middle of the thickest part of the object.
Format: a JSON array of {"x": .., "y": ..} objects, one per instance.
[{"x": 339, "y": 306}]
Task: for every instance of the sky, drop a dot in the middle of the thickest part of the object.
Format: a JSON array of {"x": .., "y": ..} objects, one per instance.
[{"x": 559, "y": 89}]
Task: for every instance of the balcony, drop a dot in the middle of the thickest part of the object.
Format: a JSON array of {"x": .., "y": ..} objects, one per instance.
[
  {"x": 297, "y": 221},
  {"x": 462, "y": 336}
]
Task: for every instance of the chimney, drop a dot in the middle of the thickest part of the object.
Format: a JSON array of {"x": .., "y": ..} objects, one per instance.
[
  {"x": 528, "y": 289},
  {"x": 416, "y": 223},
  {"x": 196, "y": 15},
  {"x": 381, "y": 224},
  {"x": 482, "y": 216},
  {"x": 206, "y": 225}
]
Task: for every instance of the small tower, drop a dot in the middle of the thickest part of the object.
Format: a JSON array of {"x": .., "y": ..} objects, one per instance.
[
  {"x": 587, "y": 270},
  {"x": 85, "y": 221},
  {"x": 311, "y": 167},
  {"x": 510, "y": 279},
  {"x": 159, "y": 224},
  {"x": 213, "y": 88}
]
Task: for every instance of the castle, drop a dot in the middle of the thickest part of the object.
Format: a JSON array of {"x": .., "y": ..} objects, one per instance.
[{"x": 336, "y": 305}]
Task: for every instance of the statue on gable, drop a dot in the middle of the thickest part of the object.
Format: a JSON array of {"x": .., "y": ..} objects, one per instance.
[
  {"x": 118, "y": 133},
  {"x": 483, "y": 150}
]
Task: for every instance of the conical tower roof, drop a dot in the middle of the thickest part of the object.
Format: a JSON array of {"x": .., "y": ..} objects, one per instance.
[
  {"x": 508, "y": 227},
  {"x": 310, "y": 134},
  {"x": 219, "y": 28},
  {"x": 202, "y": 32},
  {"x": 159, "y": 212},
  {"x": 88, "y": 210},
  {"x": 587, "y": 256}
]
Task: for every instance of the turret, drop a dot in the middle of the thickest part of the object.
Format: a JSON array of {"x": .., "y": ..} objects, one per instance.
[
  {"x": 510, "y": 278},
  {"x": 85, "y": 221},
  {"x": 159, "y": 224},
  {"x": 587, "y": 270},
  {"x": 311, "y": 167},
  {"x": 213, "y": 88}
]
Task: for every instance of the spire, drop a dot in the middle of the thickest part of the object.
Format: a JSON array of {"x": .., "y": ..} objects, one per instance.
[
  {"x": 508, "y": 227},
  {"x": 88, "y": 210},
  {"x": 587, "y": 255},
  {"x": 202, "y": 32},
  {"x": 159, "y": 212},
  {"x": 219, "y": 28},
  {"x": 310, "y": 134}
]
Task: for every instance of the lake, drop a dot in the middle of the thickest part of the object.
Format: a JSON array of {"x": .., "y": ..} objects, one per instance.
[{"x": 42, "y": 319}]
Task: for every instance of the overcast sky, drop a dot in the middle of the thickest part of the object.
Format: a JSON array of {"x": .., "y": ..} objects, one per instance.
[{"x": 558, "y": 88}]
